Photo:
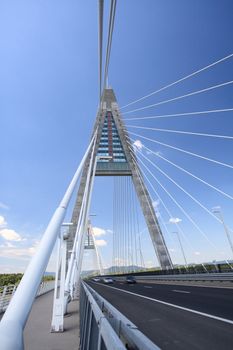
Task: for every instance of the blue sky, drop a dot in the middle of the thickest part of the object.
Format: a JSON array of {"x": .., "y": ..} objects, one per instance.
[{"x": 49, "y": 98}]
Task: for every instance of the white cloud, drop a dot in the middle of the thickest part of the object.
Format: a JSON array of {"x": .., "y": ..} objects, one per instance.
[
  {"x": 98, "y": 231},
  {"x": 109, "y": 231},
  {"x": 12, "y": 268},
  {"x": 23, "y": 253},
  {"x": 7, "y": 233},
  {"x": 156, "y": 207},
  {"x": 197, "y": 253},
  {"x": 172, "y": 250},
  {"x": 149, "y": 263},
  {"x": 2, "y": 221},
  {"x": 10, "y": 235},
  {"x": 156, "y": 203},
  {"x": 138, "y": 145},
  {"x": 158, "y": 153},
  {"x": 100, "y": 242},
  {"x": 18, "y": 252},
  {"x": 217, "y": 208},
  {"x": 4, "y": 206},
  {"x": 9, "y": 245},
  {"x": 174, "y": 220}
]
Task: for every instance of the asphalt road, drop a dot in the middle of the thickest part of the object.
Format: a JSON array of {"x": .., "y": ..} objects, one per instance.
[{"x": 169, "y": 326}]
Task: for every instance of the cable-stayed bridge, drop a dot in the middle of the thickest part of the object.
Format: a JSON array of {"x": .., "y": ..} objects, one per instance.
[{"x": 173, "y": 308}]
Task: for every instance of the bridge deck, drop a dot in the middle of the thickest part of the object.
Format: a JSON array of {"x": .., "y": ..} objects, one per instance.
[
  {"x": 175, "y": 317},
  {"x": 37, "y": 334}
]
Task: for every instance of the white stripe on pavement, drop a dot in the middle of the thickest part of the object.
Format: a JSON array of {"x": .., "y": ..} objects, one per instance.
[{"x": 173, "y": 305}]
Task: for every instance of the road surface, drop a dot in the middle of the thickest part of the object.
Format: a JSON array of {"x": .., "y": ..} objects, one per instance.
[{"x": 176, "y": 317}]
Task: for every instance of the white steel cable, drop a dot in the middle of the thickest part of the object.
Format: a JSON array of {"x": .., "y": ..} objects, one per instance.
[
  {"x": 151, "y": 208},
  {"x": 109, "y": 43},
  {"x": 170, "y": 215},
  {"x": 179, "y": 80},
  {"x": 182, "y": 209},
  {"x": 189, "y": 173},
  {"x": 179, "y": 206},
  {"x": 181, "y": 188},
  {"x": 167, "y": 210},
  {"x": 114, "y": 225},
  {"x": 169, "y": 235},
  {"x": 161, "y": 217},
  {"x": 80, "y": 225},
  {"x": 101, "y": 11},
  {"x": 136, "y": 229},
  {"x": 181, "y": 97},
  {"x": 227, "y": 137},
  {"x": 201, "y": 113},
  {"x": 182, "y": 150}
]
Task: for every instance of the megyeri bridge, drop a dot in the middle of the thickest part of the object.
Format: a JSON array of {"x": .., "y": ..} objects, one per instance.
[{"x": 189, "y": 307}]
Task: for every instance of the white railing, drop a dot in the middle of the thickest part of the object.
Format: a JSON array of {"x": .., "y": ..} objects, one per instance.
[
  {"x": 45, "y": 287},
  {"x": 16, "y": 315},
  {"x": 7, "y": 292},
  {"x": 103, "y": 327}
]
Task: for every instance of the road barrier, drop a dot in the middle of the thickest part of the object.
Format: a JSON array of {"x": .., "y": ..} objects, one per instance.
[
  {"x": 218, "y": 277},
  {"x": 103, "y": 327}
]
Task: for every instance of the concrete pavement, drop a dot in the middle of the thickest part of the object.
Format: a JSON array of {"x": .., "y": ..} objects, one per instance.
[{"x": 37, "y": 334}]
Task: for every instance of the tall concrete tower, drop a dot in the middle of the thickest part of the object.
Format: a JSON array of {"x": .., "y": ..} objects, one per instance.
[{"x": 113, "y": 142}]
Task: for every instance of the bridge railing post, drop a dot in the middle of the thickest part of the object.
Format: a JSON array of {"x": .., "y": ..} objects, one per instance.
[{"x": 57, "y": 324}]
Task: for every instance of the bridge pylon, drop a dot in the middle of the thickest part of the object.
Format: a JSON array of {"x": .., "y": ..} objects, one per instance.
[{"x": 116, "y": 156}]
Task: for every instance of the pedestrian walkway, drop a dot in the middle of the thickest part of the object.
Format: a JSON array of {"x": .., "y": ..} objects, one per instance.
[{"x": 37, "y": 334}]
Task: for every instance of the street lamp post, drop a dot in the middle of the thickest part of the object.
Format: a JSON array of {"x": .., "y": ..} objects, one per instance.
[
  {"x": 217, "y": 211},
  {"x": 181, "y": 248}
]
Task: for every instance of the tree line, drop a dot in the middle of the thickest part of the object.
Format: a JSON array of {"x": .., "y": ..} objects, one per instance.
[{"x": 14, "y": 278}]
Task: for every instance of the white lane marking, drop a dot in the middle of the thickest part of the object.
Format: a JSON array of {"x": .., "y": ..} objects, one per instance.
[
  {"x": 147, "y": 287},
  {"x": 180, "y": 291},
  {"x": 173, "y": 305},
  {"x": 183, "y": 284}
]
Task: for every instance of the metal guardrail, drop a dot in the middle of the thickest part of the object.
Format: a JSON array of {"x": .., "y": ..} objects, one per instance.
[
  {"x": 221, "y": 277},
  {"x": 6, "y": 293},
  {"x": 103, "y": 327},
  {"x": 218, "y": 277}
]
